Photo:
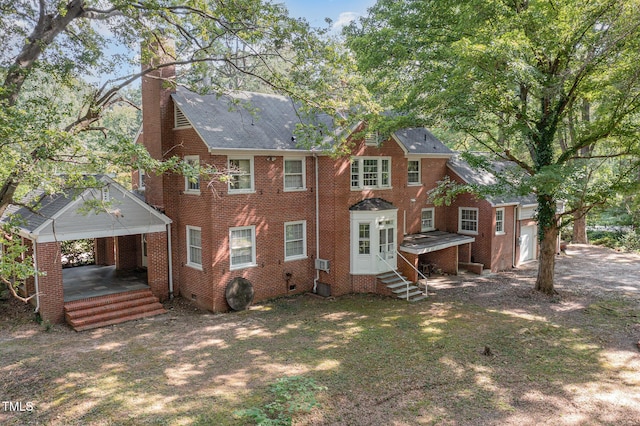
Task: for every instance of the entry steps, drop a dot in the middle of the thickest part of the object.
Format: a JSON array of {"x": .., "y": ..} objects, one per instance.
[
  {"x": 397, "y": 283},
  {"x": 112, "y": 309}
]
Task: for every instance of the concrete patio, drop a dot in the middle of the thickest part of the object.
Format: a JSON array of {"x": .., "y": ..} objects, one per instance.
[{"x": 83, "y": 282}]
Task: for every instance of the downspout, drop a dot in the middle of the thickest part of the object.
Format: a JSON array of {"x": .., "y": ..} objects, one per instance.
[
  {"x": 315, "y": 281},
  {"x": 35, "y": 277},
  {"x": 170, "y": 261},
  {"x": 515, "y": 240}
]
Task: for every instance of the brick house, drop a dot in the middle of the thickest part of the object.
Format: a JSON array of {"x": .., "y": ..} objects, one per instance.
[{"x": 291, "y": 220}]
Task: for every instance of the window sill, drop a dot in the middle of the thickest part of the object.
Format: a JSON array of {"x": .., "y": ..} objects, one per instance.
[
  {"x": 428, "y": 229},
  {"x": 372, "y": 188},
  {"x": 415, "y": 184},
  {"x": 468, "y": 232},
  {"x": 243, "y": 266},
  {"x": 191, "y": 192},
  {"x": 501, "y": 233},
  {"x": 241, "y": 191},
  {"x": 292, "y": 258},
  {"x": 294, "y": 189}
]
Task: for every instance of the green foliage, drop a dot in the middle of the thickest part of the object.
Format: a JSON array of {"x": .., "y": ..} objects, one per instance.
[
  {"x": 446, "y": 191},
  {"x": 291, "y": 395},
  {"x": 620, "y": 240}
]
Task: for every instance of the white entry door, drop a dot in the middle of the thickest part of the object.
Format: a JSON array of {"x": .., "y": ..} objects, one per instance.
[
  {"x": 527, "y": 243},
  {"x": 386, "y": 245},
  {"x": 373, "y": 242}
]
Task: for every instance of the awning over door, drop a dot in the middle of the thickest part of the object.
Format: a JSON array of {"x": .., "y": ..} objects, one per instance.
[{"x": 427, "y": 242}]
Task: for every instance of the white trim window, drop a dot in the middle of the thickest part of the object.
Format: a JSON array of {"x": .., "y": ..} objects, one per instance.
[
  {"x": 192, "y": 183},
  {"x": 413, "y": 172},
  {"x": 370, "y": 172},
  {"x": 242, "y": 247},
  {"x": 294, "y": 174},
  {"x": 141, "y": 179},
  {"x": 427, "y": 219},
  {"x": 194, "y": 247},
  {"x": 364, "y": 238},
  {"x": 500, "y": 221},
  {"x": 241, "y": 175},
  {"x": 295, "y": 240},
  {"x": 468, "y": 220}
]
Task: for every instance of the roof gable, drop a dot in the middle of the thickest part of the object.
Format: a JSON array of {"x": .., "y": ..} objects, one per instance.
[
  {"x": 61, "y": 217},
  {"x": 420, "y": 141}
]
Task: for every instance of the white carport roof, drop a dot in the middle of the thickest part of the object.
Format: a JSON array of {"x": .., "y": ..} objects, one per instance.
[{"x": 67, "y": 216}]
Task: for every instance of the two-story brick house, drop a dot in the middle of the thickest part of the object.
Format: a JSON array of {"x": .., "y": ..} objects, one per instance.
[{"x": 290, "y": 219}]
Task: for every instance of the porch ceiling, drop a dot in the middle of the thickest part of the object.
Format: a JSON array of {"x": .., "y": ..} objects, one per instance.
[{"x": 427, "y": 242}]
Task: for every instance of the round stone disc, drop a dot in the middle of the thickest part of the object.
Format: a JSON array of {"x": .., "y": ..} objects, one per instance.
[{"x": 239, "y": 293}]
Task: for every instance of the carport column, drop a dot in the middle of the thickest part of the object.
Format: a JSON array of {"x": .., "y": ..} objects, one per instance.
[
  {"x": 158, "y": 264},
  {"x": 126, "y": 256},
  {"x": 50, "y": 282},
  {"x": 104, "y": 254}
]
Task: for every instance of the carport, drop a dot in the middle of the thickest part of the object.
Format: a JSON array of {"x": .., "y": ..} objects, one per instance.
[{"x": 129, "y": 237}]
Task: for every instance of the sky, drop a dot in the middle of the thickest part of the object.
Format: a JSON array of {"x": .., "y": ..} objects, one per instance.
[{"x": 341, "y": 12}]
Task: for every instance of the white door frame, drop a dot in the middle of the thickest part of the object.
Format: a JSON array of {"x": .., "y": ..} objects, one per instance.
[{"x": 368, "y": 241}]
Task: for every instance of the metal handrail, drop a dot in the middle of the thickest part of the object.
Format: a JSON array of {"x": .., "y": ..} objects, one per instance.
[
  {"x": 395, "y": 272},
  {"x": 426, "y": 287}
]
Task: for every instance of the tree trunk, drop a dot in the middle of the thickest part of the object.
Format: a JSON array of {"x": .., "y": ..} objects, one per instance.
[
  {"x": 547, "y": 258},
  {"x": 580, "y": 226}
]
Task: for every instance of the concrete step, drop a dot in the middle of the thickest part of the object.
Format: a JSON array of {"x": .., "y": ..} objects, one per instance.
[
  {"x": 417, "y": 298},
  {"x": 403, "y": 289},
  {"x": 397, "y": 285},
  {"x": 412, "y": 294}
]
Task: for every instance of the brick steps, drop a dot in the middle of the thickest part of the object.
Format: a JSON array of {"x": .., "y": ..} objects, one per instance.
[{"x": 112, "y": 309}]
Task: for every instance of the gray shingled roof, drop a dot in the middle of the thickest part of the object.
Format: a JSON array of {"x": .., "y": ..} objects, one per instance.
[
  {"x": 418, "y": 140},
  {"x": 373, "y": 204},
  {"x": 243, "y": 120},
  {"x": 476, "y": 176},
  {"x": 38, "y": 210}
]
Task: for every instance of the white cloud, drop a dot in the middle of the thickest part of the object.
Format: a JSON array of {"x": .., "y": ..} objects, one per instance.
[{"x": 344, "y": 19}]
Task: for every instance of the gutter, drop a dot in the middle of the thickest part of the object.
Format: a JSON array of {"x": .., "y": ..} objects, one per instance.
[
  {"x": 315, "y": 281},
  {"x": 170, "y": 256},
  {"x": 515, "y": 240},
  {"x": 35, "y": 278}
]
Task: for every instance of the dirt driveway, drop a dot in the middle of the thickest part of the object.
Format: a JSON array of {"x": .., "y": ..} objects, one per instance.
[{"x": 570, "y": 359}]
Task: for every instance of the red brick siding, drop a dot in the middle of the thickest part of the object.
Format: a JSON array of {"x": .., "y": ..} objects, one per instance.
[
  {"x": 364, "y": 283},
  {"x": 50, "y": 283},
  {"x": 126, "y": 253},
  {"x": 445, "y": 260},
  {"x": 158, "y": 264}
]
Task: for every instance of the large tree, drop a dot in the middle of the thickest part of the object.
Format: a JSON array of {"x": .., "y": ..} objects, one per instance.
[{"x": 513, "y": 75}]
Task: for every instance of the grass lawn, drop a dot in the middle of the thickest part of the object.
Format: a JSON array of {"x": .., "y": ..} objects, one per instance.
[{"x": 373, "y": 361}]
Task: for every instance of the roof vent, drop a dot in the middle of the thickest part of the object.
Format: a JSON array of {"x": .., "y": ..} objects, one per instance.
[{"x": 180, "y": 118}]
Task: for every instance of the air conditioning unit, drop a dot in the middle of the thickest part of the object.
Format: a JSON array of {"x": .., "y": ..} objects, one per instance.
[{"x": 322, "y": 264}]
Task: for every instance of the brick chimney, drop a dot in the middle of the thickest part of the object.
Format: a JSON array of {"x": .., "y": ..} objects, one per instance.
[{"x": 157, "y": 110}]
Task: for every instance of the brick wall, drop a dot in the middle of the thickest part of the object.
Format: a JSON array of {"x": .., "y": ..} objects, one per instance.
[
  {"x": 50, "y": 283},
  {"x": 158, "y": 264},
  {"x": 126, "y": 254},
  {"x": 104, "y": 251}
]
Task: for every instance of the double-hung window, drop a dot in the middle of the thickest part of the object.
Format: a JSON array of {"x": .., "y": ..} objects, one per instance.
[
  {"x": 427, "y": 220},
  {"x": 241, "y": 175},
  {"x": 413, "y": 172},
  {"x": 194, "y": 247},
  {"x": 295, "y": 240},
  {"x": 500, "y": 221},
  {"x": 370, "y": 172},
  {"x": 242, "y": 247},
  {"x": 294, "y": 174},
  {"x": 468, "y": 220},
  {"x": 192, "y": 175}
]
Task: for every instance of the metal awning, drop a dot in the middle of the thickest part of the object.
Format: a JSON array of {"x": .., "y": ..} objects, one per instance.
[{"x": 427, "y": 242}]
